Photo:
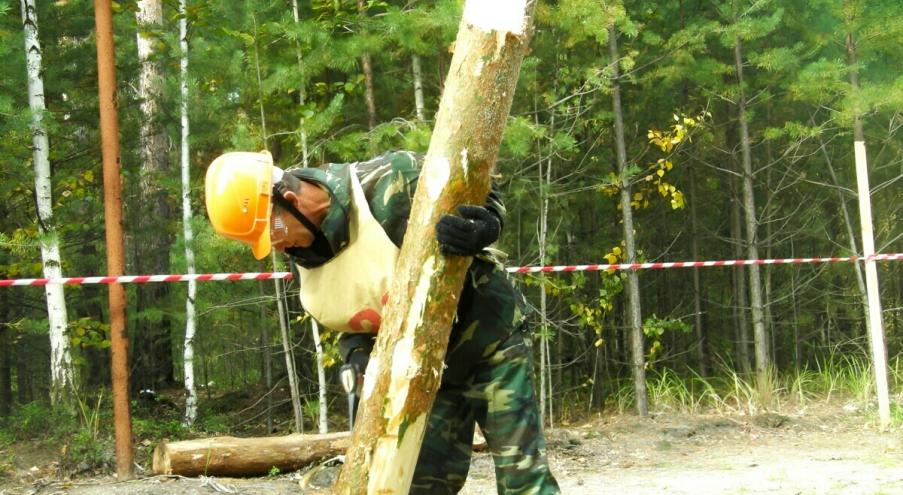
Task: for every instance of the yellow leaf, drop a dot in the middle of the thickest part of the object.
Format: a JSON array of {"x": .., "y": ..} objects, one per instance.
[
  {"x": 660, "y": 173},
  {"x": 637, "y": 196},
  {"x": 668, "y": 164},
  {"x": 599, "y": 343},
  {"x": 616, "y": 250},
  {"x": 612, "y": 259}
]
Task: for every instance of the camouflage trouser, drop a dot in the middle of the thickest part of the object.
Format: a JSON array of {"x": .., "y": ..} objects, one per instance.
[{"x": 499, "y": 396}]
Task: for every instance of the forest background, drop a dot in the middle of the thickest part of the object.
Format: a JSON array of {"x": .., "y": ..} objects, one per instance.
[{"x": 716, "y": 129}]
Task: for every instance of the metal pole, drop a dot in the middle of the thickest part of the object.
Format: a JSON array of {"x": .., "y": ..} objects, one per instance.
[{"x": 109, "y": 137}]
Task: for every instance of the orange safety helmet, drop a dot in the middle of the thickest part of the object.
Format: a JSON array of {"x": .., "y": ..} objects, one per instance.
[{"x": 239, "y": 189}]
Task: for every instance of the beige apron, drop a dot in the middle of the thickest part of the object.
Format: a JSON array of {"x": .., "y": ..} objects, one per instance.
[{"x": 347, "y": 293}]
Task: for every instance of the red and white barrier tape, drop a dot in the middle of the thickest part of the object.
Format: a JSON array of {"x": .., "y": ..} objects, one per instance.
[
  {"x": 204, "y": 277},
  {"x": 693, "y": 264}
]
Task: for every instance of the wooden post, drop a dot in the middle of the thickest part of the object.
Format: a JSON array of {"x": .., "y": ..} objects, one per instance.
[
  {"x": 112, "y": 191},
  {"x": 406, "y": 367}
]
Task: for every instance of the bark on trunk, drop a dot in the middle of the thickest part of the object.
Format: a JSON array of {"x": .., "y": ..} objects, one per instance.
[
  {"x": 876, "y": 323},
  {"x": 367, "y": 67},
  {"x": 544, "y": 385},
  {"x": 321, "y": 379},
  {"x": 230, "y": 456},
  {"x": 191, "y": 396},
  {"x": 289, "y": 355},
  {"x": 763, "y": 362},
  {"x": 634, "y": 312},
  {"x": 6, "y": 376},
  {"x": 702, "y": 355},
  {"x": 405, "y": 370},
  {"x": 61, "y": 372},
  {"x": 152, "y": 238},
  {"x": 418, "y": 88},
  {"x": 739, "y": 304},
  {"x": 302, "y": 93}
]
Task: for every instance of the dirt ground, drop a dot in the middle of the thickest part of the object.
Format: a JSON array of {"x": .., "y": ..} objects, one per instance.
[{"x": 825, "y": 450}]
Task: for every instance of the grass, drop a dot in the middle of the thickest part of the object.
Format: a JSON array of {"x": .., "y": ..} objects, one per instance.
[{"x": 836, "y": 377}]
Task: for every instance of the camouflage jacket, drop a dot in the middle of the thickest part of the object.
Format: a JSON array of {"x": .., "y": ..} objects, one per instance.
[{"x": 490, "y": 307}]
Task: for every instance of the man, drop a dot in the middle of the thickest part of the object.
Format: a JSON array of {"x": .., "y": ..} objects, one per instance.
[{"x": 342, "y": 226}]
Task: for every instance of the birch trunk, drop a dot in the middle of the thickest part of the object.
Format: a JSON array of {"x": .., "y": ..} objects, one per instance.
[
  {"x": 418, "y": 88},
  {"x": 191, "y": 396},
  {"x": 150, "y": 237},
  {"x": 321, "y": 379},
  {"x": 315, "y": 330},
  {"x": 302, "y": 95},
  {"x": 280, "y": 300},
  {"x": 405, "y": 371},
  {"x": 544, "y": 385},
  {"x": 875, "y": 317},
  {"x": 760, "y": 338},
  {"x": 634, "y": 312},
  {"x": 62, "y": 379},
  {"x": 289, "y": 355}
]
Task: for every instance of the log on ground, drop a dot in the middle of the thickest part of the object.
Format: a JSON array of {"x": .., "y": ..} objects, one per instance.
[{"x": 230, "y": 456}]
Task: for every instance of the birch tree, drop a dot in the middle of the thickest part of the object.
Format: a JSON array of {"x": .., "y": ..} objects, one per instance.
[
  {"x": 62, "y": 380},
  {"x": 314, "y": 328},
  {"x": 191, "y": 398},
  {"x": 406, "y": 368}
]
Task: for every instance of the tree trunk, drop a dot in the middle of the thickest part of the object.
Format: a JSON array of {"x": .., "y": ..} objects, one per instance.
[
  {"x": 321, "y": 379},
  {"x": 191, "y": 396},
  {"x": 634, "y": 313},
  {"x": 367, "y": 67},
  {"x": 406, "y": 368},
  {"x": 741, "y": 322},
  {"x": 544, "y": 384},
  {"x": 763, "y": 361},
  {"x": 153, "y": 339},
  {"x": 289, "y": 355},
  {"x": 848, "y": 223},
  {"x": 418, "y": 88},
  {"x": 6, "y": 375},
  {"x": 702, "y": 356},
  {"x": 876, "y": 324},
  {"x": 302, "y": 94},
  {"x": 230, "y": 456},
  {"x": 61, "y": 372}
]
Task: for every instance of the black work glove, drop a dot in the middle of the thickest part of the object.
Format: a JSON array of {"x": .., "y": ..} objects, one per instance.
[{"x": 468, "y": 234}]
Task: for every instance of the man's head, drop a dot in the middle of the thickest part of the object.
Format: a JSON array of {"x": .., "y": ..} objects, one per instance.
[
  {"x": 239, "y": 188},
  {"x": 252, "y": 201}
]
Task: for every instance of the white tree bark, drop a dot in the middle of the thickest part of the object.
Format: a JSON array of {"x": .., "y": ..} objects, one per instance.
[
  {"x": 314, "y": 328},
  {"x": 321, "y": 378},
  {"x": 191, "y": 397},
  {"x": 302, "y": 97},
  {"x": 418, "y": 88},
  {"x": 62, "y": 381}
]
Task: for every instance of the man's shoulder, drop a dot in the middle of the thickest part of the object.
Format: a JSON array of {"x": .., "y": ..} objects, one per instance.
[{"x": 392, "y": 166}]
